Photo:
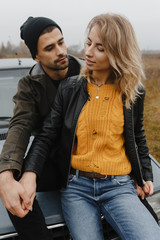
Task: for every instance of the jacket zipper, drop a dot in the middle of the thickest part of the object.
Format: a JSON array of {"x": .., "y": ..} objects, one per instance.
[{"x": 88, "y": 99}]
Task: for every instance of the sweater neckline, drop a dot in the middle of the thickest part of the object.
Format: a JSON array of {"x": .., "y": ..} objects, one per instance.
[{"x": 97, "y": 87}]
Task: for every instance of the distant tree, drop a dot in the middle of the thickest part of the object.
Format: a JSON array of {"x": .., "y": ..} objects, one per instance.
[
  {"x": 76, "y": 50},
  {"x": 21, "y": 50},
  {"x": 13, "y": 51},
  {"x": 2, "y": 50},
  {"x": 9, "y": 48}
]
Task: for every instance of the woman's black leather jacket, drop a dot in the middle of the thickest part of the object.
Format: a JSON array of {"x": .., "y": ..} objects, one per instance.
[{"x": 60, "y": 125}]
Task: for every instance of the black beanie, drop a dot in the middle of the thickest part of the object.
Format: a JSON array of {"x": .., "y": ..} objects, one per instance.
[{"x": 32, "y": 29}]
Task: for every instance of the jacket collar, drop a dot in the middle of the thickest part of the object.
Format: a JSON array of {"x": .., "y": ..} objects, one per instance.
[{"x": 36, "y": 70}]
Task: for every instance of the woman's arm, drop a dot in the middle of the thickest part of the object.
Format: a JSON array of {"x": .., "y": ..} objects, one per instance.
[
  {"x": 140, "y": 138},
  {"x": 45, "y": 139}
]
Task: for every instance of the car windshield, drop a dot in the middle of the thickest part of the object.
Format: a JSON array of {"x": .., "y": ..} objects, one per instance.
[
  {"x": 8, "y": 87},
  {"x": 11, "y": 71}
]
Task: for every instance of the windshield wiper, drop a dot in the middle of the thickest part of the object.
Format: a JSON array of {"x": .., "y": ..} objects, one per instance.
[{"x": 5, "y": 118}]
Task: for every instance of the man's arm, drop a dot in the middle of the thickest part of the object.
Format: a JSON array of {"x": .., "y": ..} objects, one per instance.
[
  {"x": 20, "y": 128},
  {"x": 21, "y": 125}
]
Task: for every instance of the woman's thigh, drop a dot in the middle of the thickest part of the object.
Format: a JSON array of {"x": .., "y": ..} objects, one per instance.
[
  {"x": 81, "y": 213},
  {"x": 127, "y": 215}
]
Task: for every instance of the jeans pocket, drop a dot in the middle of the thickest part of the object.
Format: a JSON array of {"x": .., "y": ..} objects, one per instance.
[{"x": 122, "y": 180}]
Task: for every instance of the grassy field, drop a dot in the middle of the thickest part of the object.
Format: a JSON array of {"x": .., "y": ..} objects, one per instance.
[{"x": 152, "y": 103}]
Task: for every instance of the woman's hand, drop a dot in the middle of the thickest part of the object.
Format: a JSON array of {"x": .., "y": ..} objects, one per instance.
[
  {"x": 140, "y": 192},
  {"x": 28, "y": 181},
  {"x": 148, "y": 187}
]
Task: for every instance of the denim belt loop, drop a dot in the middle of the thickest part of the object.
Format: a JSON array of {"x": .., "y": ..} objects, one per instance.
[
  {"x": 112, "y": 177},
  {"x": 77, "y": 173}
]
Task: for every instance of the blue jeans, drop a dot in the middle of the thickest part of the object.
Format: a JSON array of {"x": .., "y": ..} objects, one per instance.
[{"x": 84, "y": 200}]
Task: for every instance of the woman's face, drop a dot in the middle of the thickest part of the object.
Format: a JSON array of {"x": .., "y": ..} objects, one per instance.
[{"x": 95, "y": 55}]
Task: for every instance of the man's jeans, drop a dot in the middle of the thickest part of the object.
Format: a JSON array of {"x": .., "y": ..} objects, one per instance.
[{"x": 84, "y": 200}]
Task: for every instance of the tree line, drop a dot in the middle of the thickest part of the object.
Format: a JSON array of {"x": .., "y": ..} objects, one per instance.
[{"x": 12, "y": 51}]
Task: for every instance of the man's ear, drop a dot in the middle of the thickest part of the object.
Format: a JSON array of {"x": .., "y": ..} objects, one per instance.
[{"x": 36, "y": 58}]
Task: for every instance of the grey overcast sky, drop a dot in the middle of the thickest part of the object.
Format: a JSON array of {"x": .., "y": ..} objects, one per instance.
[{"x": 74, "y": 15}]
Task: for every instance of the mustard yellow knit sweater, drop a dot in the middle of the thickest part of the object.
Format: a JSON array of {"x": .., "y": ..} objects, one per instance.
[{"x": 100, "y": 143}]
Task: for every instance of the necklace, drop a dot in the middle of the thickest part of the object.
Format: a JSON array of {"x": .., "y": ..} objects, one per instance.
[
  {"x": 91, "y": 80},
  {"x": 98, "y": 87}
]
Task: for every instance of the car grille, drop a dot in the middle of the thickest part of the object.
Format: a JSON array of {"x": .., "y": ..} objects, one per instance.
[
  {"x": 3, "y": 133},
  {"x": 3, "y": 136}
]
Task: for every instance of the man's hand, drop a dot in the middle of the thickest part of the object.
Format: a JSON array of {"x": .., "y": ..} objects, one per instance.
[
  {"x": 13, "y": 194},
  {"x": 28, "y": 181}
]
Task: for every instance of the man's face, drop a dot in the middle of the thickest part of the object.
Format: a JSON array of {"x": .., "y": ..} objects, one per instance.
[{"x": 52, "y": 51}]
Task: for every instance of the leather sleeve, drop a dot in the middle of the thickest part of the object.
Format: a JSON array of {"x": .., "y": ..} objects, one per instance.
[
  {"x": 45, "y": 140},
  {"x": 140, "y": 138}
]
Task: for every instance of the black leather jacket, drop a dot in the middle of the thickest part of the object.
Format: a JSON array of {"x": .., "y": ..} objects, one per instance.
[{"x": 61, "y": 124}]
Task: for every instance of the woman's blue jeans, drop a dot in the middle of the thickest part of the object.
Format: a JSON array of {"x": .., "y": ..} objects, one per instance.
[{"x": 85, "y": 199}]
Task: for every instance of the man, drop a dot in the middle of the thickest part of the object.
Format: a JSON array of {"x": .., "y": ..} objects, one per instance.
[{"x": 35, "y": 95}]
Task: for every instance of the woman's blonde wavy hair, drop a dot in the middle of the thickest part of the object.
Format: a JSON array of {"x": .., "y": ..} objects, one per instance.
[{"x": 121, "y": 47}]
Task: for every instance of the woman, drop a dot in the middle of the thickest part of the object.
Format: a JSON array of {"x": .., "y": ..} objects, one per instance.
[{"x": 97, "y": 118}]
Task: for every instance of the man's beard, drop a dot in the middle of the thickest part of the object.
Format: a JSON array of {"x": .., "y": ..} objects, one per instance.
[{"x": 62, "y": 66}]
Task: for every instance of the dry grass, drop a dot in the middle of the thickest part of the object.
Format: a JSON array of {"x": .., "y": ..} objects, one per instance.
[{"x": 152, "y": 103}]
